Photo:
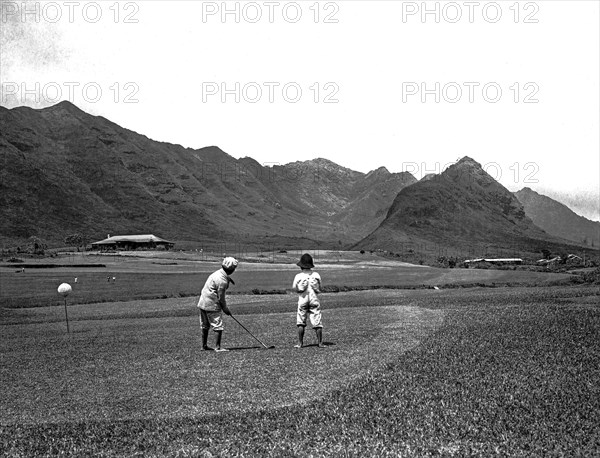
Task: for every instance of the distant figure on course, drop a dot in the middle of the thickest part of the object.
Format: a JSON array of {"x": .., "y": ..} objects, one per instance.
[
  {"x": 308, "y": 285},
  {"x": 212, "y": 302}
]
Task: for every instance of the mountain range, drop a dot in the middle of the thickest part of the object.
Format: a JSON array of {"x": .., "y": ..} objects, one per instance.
[{"x": 66, "y": 171}]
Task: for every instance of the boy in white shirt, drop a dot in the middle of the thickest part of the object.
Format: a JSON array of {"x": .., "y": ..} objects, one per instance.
[
  {"x": 212, "y": 302},
  {"x": 308, "y": 285}
]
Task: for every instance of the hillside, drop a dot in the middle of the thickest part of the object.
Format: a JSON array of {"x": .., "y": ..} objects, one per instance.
[
  {"x": 66, "y": 171},
  {"x": 461, "y": 212},
  {"x": 558, "y": 219}
]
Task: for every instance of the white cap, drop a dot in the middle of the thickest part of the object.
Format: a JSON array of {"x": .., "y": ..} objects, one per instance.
[{"x": 229, "y": 262}]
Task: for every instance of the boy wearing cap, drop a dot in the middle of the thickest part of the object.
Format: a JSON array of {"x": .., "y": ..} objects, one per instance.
[
  {"x": 212, "y": 302},
  {"x": 308, "y": 285}
]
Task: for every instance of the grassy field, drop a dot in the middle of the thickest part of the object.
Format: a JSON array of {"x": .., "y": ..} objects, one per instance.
[
  {"x": 148, "y": 276},
  {"x": 473, "y": 371}
]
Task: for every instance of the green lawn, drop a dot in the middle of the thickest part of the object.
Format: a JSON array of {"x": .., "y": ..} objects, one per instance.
[
  {"x": 486, "y": 372},
  {"x": 149, "y": 278},
  {"x": 149, "y": 367}
]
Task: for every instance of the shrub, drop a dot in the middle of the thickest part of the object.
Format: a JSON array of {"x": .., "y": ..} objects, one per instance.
[
  {"x": 36, "y": 245},
  {"x": 447, "y": 262},
  {"x": 592, "y": 276}
]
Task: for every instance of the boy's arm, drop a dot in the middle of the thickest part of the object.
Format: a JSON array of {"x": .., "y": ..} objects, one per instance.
[
  {"x": 221, "y": 291},
  {"x": 295, "y": 283},
  {"x": 316, "y": 282},
  {"x": 299, "y": 284}
]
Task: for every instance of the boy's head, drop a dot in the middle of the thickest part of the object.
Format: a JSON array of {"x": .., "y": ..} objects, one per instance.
[
  {"x": 306, "y": 262},
  {"x": 229, "y": 264}
]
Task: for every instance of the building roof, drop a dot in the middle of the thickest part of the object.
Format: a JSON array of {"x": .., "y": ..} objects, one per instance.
[{"x": 146, "y": 238}]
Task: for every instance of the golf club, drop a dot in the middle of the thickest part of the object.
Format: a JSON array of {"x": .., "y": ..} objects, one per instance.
[{"x": 256, "y": 338}]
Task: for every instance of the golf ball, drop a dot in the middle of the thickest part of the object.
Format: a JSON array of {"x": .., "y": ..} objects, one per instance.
[{"x": 64, "y": 289}]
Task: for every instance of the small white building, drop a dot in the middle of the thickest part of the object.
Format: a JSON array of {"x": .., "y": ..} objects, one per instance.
[
  {"x": 495, "y": 261},
  {"x": 574, "y": 259}
]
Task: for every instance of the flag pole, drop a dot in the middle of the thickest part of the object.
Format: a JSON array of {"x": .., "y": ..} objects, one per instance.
[{"x": 67, "y": 316}]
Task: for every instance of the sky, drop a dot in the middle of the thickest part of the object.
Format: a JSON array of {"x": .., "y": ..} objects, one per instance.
[{"x": 411, "y": 86}]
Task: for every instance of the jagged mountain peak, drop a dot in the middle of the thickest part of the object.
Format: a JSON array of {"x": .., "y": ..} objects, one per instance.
[
  {"x": 64, "y": 104},
  {"x": 460, "y": 207},
  {"x": 466, "y": 163},
  {"x": 468, "y": 160},
  {"x": 64, "y": 107},
  {"x": 379, "y": 172},
  {"x": 323, "y": 163},
  {"x": 467, "y": 171},
  {"x": 324, "y": 168},
  {"x": 527, "y": 190}
]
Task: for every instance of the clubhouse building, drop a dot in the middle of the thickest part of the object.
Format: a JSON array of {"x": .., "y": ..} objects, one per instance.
[{"x": 132, "y": 242}]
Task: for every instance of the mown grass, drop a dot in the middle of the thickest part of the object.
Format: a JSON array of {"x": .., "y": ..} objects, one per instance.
[
  {"x": 133, "y": 369},
  {"x": 511, "y": 373},
  {"x": 186, "y": 307},
  {"x": 253, "y": 304},
  {"x": 144, "y": 280}
]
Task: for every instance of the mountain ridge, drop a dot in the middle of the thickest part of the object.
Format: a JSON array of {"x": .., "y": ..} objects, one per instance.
[
  {"x": 462, "y": 211},
  {"x": 558, "y": 219},
  {"x": 68, "y": 171}
]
